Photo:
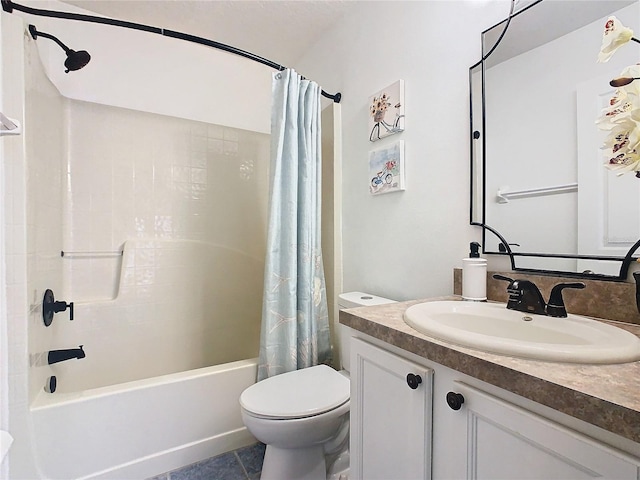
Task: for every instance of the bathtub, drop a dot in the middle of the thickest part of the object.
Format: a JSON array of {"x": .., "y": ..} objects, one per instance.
[
  {"x": 136, "y": 430},
  {"x": 166, "y": 362}
]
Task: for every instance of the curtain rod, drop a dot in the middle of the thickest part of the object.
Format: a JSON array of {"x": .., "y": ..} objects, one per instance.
[{"x": 8, "y": 6}]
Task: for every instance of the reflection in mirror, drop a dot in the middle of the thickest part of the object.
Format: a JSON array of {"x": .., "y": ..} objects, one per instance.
[
  {"x": 546, "y": 189},
  {"x": 477, "y": 177}
]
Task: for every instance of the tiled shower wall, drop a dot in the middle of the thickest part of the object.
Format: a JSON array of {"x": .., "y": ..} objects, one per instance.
[
  {"x": 133, "y": 175},
  {"x": 45, "y": 152},
  {"x": 33, "y": 217}
]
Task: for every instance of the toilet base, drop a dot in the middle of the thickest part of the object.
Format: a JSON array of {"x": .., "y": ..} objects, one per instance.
[{"x": 294, "y": 464}]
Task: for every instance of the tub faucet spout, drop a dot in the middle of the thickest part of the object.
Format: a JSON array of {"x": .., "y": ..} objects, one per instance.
[{"x": 56, "y": 356}]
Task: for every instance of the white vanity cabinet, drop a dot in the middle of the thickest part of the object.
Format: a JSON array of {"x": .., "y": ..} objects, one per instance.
[
  {"x": 494, "y": 439},
  {"x": 390, "y": 420},
  {"x": 395, "y": 430}
]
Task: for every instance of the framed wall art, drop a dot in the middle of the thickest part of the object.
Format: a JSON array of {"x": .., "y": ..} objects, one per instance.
[
  {"x": 386, "y": 169},
  {"x": 386, "y": 112}
]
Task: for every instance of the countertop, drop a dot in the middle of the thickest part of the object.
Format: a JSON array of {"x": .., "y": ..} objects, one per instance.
[{"x": 607, "y": 396}]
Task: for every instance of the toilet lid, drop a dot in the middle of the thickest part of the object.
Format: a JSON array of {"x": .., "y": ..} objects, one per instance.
[{"x": 302, "y": 393}]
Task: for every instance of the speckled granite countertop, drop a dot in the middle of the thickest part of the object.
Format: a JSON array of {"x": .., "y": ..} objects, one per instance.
[{"x": 607, "y": 396}]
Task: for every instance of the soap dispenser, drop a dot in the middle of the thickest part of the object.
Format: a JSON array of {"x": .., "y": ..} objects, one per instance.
[{"x": 474, "y": 275}]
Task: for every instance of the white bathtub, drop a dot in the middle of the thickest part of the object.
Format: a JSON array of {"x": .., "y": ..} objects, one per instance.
[
  {"x": 139, "y": 429},
  {"x": 166, "y": 362}
]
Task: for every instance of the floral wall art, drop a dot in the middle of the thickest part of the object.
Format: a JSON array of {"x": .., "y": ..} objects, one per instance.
[
  {"x": 386, "y": 169},
  {"x": 621, "y": 118},
  {"x": 386, "y": 112}
]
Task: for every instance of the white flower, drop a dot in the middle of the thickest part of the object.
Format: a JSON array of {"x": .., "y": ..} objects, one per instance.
[
  {"x": 615, "y": 35},
  {"x": 623, "y": 163},
  {"x": 634, "y": 132},
  {"x": 616, "y": 112}
]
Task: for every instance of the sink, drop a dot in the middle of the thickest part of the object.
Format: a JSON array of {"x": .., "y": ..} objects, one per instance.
[{"x": 490, "y": 327}]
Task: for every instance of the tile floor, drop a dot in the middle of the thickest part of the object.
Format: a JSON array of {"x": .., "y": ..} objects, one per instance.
[{"x": 242, "y": 464}]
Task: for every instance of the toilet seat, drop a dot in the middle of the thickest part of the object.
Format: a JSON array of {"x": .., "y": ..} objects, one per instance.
[{"x": 299, "y": 394}]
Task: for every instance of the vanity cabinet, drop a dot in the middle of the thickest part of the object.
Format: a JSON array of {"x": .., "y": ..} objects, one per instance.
[
  {"x": 469, "y": 433},
  {"x": 497, "y": 439},
  {"x": 390, "y": 416}
]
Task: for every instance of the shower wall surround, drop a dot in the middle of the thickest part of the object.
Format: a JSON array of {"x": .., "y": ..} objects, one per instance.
[
  {"x": 139, "y": 175},
  {"x": 186, "y": 202},
  {"x": 45, "y": 145}
]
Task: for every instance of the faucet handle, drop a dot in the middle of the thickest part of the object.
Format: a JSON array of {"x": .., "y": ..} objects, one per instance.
[
  {"x": 497, "y": 276},
  {"x": 50, "y": 307},
  {"x": 514, "y": 297},
  {"x": 555, "y": 307}
]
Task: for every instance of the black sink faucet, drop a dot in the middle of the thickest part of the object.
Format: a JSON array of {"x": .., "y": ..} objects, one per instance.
[
  {"x": 525, "y": 296},
  {"x": 56, "y": 356}
]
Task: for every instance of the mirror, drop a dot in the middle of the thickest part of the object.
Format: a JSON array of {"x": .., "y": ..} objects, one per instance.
[{"x": 537, "y": 167}]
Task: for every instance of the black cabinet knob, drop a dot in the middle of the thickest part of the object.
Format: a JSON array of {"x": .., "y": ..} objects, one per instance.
[
  {"x": 455, "y": 400},
  {"x": 413, "y": 380}
]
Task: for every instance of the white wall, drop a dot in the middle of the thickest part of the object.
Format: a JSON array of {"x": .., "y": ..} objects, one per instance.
[
  {"x": 151, "y": 73},
  {"x": 405, "y": 245}
]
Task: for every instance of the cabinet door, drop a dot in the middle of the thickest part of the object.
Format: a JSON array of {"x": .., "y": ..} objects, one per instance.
[
  {"x": 390, "y": 421},
  {"x": 506, "y": 442}
]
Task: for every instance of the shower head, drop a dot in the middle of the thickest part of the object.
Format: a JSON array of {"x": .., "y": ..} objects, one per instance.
[{"x": 75, "y": 60}]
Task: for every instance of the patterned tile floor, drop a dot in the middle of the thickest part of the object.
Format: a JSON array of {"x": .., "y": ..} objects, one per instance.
[{"x": 242, "y": 464}]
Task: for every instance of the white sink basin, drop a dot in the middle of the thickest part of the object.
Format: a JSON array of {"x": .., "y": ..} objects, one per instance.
[{"x": 492, "y": 328}]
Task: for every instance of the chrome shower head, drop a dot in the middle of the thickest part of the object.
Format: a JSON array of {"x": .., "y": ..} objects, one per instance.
[{"x": 75, "y": 59}]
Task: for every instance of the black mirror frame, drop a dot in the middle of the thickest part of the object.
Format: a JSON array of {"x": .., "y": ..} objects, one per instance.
[{"x": 474, "y": 136}]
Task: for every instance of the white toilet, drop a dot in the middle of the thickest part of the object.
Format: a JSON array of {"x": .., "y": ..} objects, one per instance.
[{"x": 303, "y": 416}]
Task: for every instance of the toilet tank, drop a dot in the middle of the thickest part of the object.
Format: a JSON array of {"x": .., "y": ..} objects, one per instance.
[{"x": 352, "y": 300}]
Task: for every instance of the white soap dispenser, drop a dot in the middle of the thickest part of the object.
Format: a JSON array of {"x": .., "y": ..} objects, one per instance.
[{"x": 474, "y": 275}]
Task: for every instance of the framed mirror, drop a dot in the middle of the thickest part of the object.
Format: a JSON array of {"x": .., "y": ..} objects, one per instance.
[{"x": 539, "y": 186}]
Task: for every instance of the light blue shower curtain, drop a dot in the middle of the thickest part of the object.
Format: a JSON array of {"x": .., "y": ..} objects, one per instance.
[{"x": 295, "y": 325}]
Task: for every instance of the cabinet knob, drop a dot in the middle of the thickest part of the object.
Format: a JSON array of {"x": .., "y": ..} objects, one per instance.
[
  {"x": 455, "y": 400},
  {"x": 413, "y": 380}
]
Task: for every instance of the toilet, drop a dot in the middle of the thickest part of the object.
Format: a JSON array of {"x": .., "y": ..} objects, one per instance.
[{"x": 303, "y": 416}]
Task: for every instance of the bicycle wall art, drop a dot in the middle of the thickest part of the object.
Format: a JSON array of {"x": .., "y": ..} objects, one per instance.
[
  {"x": 386, "y": 169},
  {"x": 386, "y": 112}
]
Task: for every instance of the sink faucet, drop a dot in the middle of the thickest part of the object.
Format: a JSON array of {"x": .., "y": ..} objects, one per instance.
[{"x": 525, "y": 296}]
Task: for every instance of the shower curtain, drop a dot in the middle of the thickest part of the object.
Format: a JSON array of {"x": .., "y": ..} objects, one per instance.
[{"x": 295, "y": 324}]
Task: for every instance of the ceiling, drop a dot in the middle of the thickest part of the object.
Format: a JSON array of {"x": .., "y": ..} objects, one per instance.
[{"x": 280, "y": 31}]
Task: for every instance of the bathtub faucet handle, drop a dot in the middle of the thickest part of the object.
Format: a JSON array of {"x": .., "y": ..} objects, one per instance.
[
  {"x": 50, "y": 306},
  {"x": 61, "y": 306}
]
